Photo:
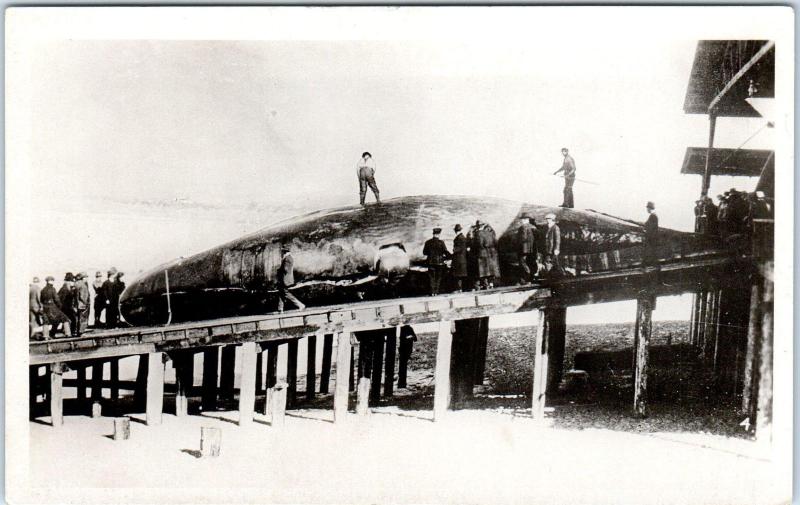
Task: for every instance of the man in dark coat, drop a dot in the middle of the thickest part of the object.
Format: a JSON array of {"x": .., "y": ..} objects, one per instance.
[
  {"x": 119, "y": 287},
  {"x": 459, "y": 265},
  {"x": 66, "y": 296},
  {"x": 526, "y": 250},
  {"x": 51, "y": 310},
  {"x": 568, "y": 167},
  {"x": 111, "y": 299},
  {"x": 99, "y": 298},
  {"x": 285, "y": 277},
  {"x": 552, "y": 247},
  {"x": 650, "y": 257},
  {"x": 436, "y": 253}
]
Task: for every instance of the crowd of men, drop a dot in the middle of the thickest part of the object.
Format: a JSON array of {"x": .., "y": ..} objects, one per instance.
[
  {"x": 475, "y": 263},
  {"x": 733, "y": 214},
  {"x": 65, "y": 313}
]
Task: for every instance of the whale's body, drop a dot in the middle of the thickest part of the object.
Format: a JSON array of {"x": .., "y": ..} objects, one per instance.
[{"x": 366, "y": 253}]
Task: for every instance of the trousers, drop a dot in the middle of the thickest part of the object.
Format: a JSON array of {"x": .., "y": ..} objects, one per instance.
[
  {"x": 569, "y": 199},
  {"x": 285, "y": 295},
  {"x": 365, "y": 181}
]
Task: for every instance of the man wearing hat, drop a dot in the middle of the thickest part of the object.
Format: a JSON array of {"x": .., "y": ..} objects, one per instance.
[
  {"x": 436, "y": 253},
  {"x": 81, "y": 303},
  {"x": 459, "y": 265},
  {"x": 34, "y": 307},
  {"x": 52, "y": 316},
  {"x": 568, "y": 167},
  {"x": 109, "y": 295},
  {"x": 650, "y": 256},
  {"x": 285, "y": 279},
  {"x": 552, "y": 245},
  {"x": 99, "y": 298},
  {"x": 66, "y": 295},
  {"x": 526, "y": 249},
  {"x": 366, "y": 177}
]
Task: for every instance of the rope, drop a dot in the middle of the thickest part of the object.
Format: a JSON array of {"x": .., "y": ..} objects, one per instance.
[{"x": 743, "y": 143}]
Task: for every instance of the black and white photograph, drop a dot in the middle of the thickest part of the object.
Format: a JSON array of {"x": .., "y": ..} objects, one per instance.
[{"x": 367, "y": 255}]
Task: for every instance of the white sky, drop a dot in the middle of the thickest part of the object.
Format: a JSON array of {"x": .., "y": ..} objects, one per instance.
[{"x": 222, "y": 137}]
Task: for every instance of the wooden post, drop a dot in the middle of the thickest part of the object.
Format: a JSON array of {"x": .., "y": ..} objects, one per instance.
[
  {"x": 692, "y": 318},
  {"x": 155, "y": 388},
  {"x": 717, "y": 318},
  {"x": 764, "y": 413},
  {"x": 259, "y": 370},
  {"x": 184, "y": 375},
  {"x": 327, "y": 354},
  {"x": 210, "y": 362},
  {"x": 278, "y": 407},
  {"x": 710, "y": 327},
  {"x": 343, "y": 368},
  {"x": 362, "y": 401},
  {"x": 56, "y": 395},
  {"x": 97, "y": 380},
  {"x": 481, "y": 346},
  {"x": 122, "y": 428},
  {"x": 644, "y": 306},
  {"x": 701, "y": 337},
  {"x": 391, "y": 354},
  {"x": 465, "y": 353},
  {"x": 210, "y": 441},
  {"x": 556, "y": 345},
  {"x": 114, "y": 377},
  {"x": 635, "y": 339},
  {"x": 140, "y": 393},
  {"x": 444, "y": 347},
  {"x": 33, "y": 386},
  {"x": 81, "y": 381},
  {"x": 227, "y": 371},
  {"x": 406, "y": 346},
  {"x": 291, "y": 378},
  {"x": 539, "y": 391},
  {"x": 753, "y": 351},
  {"x": 277, "y": 399},
  {"x": 97, "y": 410},
  {"x": 311, "y": 367},
  {"x": 377, "y": 367},
  {"x": 271, "y": 378},
  {"x": 247, "y": 385}
]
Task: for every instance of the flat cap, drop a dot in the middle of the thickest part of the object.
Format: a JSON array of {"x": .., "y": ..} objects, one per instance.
[{"x": 436, "y": 231}]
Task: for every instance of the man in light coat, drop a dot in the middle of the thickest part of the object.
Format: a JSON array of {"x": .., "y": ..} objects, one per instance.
[
  {"x": 285, "y": 279},
  {"x": 34, "y": 307},
  {"x": 552, "y": 245},
  {"x": 568, "y": 167},
  {"x": 366, "y": 177}
]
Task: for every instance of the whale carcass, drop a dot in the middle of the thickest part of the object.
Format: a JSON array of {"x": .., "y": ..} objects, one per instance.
[{"x": 367, "y": 253}]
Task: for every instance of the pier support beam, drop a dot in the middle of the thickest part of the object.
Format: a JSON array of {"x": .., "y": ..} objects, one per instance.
[
  {"x": 227, "y": 372},
  {"x": 56, "y": 394},
  {"x": 764, "y": 404},
  {"x": 556, "y": 344},
  {"x": 343, "y": 368},
  {"x": 377, "y": 366},
  {"x": 140, "y": 391},
  {"x": 311, "y": 367},
  {"x": 259, "y": 370},
  {"x": 407, "y": 338},
  {"x": 247, "y": 385},
  {"x": 644, "y": 308},
  {"x": 465, "y": 357},
  {"x": 325, "y": 373},
  {"x": 363, "y": 396},
  {"x": 210, "y": 362},
  {"x": 539, "y": 391},
  {"x": 155, "y": 388},
  {"x": 391, "y": 354},
  {"x": 81, "y": 372},
  {"x": 271, "y": 378},
  {"x": 753, "y": 352},
  {"x": 291, "y": 378},
  {"x": 97, "y": 381},
  {"x": 183, "y": 362},
  {"x": 277, "y": 399},
  {"x": 701, "y": 323},
  {"x": 481, "y": 346},
  {"x": 444, "y": 345},
  {"x": 114, "y": 378}
]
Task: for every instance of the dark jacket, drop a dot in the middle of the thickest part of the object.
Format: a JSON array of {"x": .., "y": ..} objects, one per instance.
[
  {"x": 526, "y": 239},
  {"x": 488, "y": 262},
  {"x": 552, "y": 240},
  {"x": 109, "y": 292},
  {"x": 459, "y": 265},
  {"x": 651, "y": 230},
  {"x": 568, "y": 167},
  {"x": 52, "y": 306},
  {"x": 286, "y": 271},
  {"x": 66, "y": 296},
  {"x": 436, "y": 252}
]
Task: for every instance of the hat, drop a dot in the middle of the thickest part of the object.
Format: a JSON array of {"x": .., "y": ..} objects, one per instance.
[
  {"x": 120, "y": 274},
  {"x": 365, "y": 154},
  {"x": 112, "y": 271},
  {"x": 35, "y": 279},
  {"x": 69, "y": 277},
  {"x": 525, "y": 215},
  {"x": 550, "y": 216},
  {"x": 651, "y": 205},
  {"x": 98, "y": 274},
  {"x": 437, "y": 231},
  {"x": 49, "y": 278},
  {"x": 478, "y": 222},
  {"x": 285, "y": 248},
  {"x": 457, "y": 227},
  {"x": 78, "y": 276}
]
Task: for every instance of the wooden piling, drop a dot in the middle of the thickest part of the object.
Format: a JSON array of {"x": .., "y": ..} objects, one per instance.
[
  {"x": 210, "y": 441},
  {"x": 227, "y": 371},
  {"x": 377, "y": 367},
  {"x": 278, "y": 407},
  {"x": 311, "y": 367},
  {"x": 391, "y": 354},
  {"x": 753, "y": 351},
  {"x": 140, "y": 391},
  {"x": 114, "y": 378},
  {"x": 441, "y": 396},
  {"x": 352, "y": 377},
  {"x": 277, "y": 399},
  {"x": 406, "y": 345},
  {"x": 327, "y": 354},
  {"x": 210, "y": 362},
  {"x": 81, "y": 383},
  {"x": 259, "y": 371},
  {"x": 122, "y": 428},
  {"x": 247, "y": 385},
  {"x": 271, "y": 377},
  {"x": 644, "y": 306},
  {"x": 463, "y": 359},
  {"x": 363, "y": 397},
  {"x": 539, "y": 391},
  {"x": 155, "y": 388},
  {"x": 556, "y": 345},
  {"x": 184, "y": 375},
  {"x": 97, "y": 380},
  {"x": 765, "y": 379},
  {"x": 481, "y": 346},
  {"x": 56, "y": 394},
  {"x": 701, "y": 326},
  {"x": 291, "y": 378},
  {"x": 343, "y": 368}
]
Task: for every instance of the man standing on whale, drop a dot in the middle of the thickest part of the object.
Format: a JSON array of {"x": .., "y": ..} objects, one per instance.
[{"x": 366, "y": 177}]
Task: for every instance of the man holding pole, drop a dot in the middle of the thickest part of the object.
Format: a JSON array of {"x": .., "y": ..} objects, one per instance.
[{"x": 568, "y": 167}]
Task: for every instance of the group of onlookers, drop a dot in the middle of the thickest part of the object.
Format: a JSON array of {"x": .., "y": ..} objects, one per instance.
[
  {"x": 475, "y": 261},
  {"x": 733, "y": 215},
  {"x": 66, "y": 311}
]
